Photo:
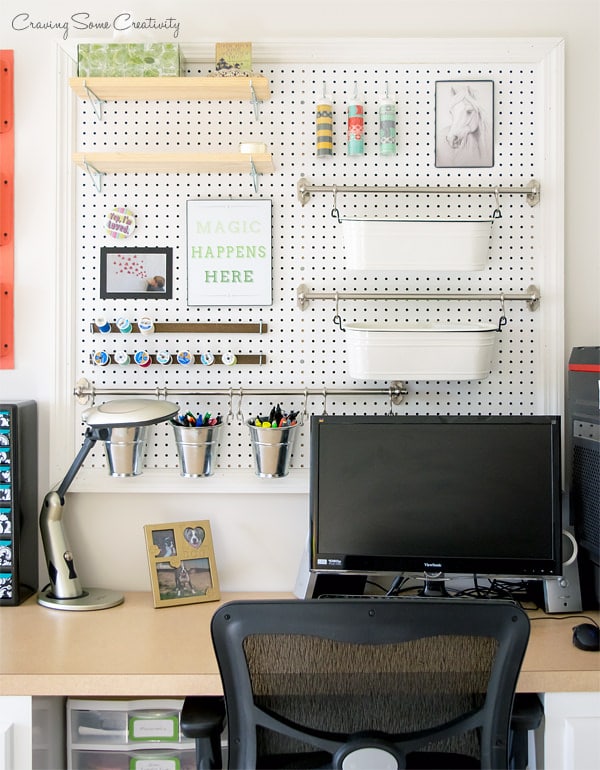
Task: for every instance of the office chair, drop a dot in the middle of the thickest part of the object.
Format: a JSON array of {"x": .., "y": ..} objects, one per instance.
[{"x": 369, "y": 683}]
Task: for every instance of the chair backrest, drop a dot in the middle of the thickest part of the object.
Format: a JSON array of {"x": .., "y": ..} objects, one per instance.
[{"x": 387, "y": 682}]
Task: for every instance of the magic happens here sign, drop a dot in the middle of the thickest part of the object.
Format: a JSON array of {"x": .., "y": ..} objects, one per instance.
[{"x": 229, "y": 252}]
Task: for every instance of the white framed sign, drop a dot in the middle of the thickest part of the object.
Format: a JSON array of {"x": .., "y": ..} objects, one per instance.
[{"x": 229, "y": 252}]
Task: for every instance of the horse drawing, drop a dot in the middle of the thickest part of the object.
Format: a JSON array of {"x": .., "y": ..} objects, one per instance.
[{"x": 466, "y": 141}]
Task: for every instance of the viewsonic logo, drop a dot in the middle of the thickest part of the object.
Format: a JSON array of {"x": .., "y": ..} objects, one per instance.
[{"x": 435, "y": 565}]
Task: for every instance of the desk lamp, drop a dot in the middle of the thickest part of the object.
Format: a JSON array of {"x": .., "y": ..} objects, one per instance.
[{"x": 121, "y": 424}]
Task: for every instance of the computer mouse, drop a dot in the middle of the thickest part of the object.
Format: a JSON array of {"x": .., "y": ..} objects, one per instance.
[{"x": 586, "y": 636}]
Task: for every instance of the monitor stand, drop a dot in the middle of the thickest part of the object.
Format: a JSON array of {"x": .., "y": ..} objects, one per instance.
[
  {"x": 335, "y": 583},
  {"x": 434, "y": 585}
]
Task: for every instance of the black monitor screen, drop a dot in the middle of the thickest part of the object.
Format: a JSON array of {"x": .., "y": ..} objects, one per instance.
[{"x": 455, "y": 494}]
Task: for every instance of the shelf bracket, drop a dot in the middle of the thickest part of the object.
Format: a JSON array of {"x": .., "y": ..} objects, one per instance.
[
  {"x": 255, "y": 101},
  {"x": 96, "y": 102},
  {"x": 254, "y": 174},
  {"x": 94, "y": 174},
  {"x": 533, "y": 196}
]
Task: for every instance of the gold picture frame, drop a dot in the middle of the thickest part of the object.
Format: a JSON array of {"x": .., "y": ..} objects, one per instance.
[{"x": 182, "y": 564}]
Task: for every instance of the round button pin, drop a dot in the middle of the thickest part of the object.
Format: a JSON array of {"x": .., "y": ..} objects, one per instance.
[
  {"x": 207, "y": 359},
  {"x": 185, "y": 358},
  {"x": 120, "y": 222}
]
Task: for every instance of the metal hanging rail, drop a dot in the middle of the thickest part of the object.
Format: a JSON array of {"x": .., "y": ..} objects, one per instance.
[
  {"x": 85, "y": 392},
  {"x": 531, "y": 190},
  {"x": 532, "y": 296}
]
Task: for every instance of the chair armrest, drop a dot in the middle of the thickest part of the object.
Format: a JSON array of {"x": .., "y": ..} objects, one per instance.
[
  {"x": 203, "y": 719},
  {"x": 527, "y": 715},
  {"x": 527, "y": 712},
  {"x": 202, "y": 716}
]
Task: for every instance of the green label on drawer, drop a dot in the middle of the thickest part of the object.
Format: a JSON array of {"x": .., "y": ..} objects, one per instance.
[
  {"x": 155, "y": 728},
  {"x": 154, "y": 763}
]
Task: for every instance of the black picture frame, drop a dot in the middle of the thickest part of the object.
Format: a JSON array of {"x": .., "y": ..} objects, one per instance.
[
  {"x": 464, "y": 123},
  {"x": 136, "y": 272}
]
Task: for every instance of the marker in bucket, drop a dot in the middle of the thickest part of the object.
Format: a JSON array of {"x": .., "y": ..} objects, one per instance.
[
  {"x": 197, "y": 421},
  {"x": 272, "y": 440},
  {"x": 277, "y": 418}
]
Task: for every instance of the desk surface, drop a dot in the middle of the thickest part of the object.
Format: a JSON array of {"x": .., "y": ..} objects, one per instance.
[{"x": 137, "y": 650}]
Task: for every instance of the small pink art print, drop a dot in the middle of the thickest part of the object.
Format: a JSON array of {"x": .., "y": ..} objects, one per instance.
[{"x": 131, "y": 273}]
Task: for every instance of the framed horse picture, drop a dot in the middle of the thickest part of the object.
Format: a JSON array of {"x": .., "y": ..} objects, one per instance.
[
  {"x": 182, "y": 563},
  {"x": 464, "y": 123}
]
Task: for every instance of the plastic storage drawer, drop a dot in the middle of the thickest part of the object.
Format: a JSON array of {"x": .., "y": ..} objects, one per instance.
[
  {"x": 142, "y": 734},
  {"x": 168, "y": 759}
]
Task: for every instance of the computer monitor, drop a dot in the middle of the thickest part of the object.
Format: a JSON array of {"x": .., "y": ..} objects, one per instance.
[{"x": 435, "y": 495}]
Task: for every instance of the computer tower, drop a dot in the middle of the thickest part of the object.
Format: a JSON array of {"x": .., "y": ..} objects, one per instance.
[
  {"x": 18, "y": 501},
  {"x": 583, "y": 466}
]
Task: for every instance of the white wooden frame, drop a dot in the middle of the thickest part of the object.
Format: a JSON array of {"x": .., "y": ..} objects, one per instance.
[{"x": 548, "y": 53}]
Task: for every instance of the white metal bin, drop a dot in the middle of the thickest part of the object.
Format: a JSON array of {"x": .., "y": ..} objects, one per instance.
[
  {"x": 383, "y": 351},
  {"x": 425, "y": 244}
]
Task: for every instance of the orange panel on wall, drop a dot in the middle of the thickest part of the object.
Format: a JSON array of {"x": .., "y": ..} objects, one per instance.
[{"x": 7, "y": 178}]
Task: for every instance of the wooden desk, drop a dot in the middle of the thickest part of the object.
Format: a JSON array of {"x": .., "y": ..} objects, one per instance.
[{"x": 137, "y": 650}]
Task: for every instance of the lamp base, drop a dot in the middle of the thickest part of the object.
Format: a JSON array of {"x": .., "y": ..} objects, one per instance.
[{"x": 91, "y": 599}]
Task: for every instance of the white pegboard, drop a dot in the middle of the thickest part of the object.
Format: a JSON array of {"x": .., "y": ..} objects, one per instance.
[{"x": 303, "y": 347}]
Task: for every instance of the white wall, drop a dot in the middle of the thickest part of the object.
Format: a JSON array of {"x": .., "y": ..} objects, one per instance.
[{"x": 266, "y": 557}]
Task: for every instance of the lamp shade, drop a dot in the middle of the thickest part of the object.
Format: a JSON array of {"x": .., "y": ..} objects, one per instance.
[{"x": 129, "y": 412}]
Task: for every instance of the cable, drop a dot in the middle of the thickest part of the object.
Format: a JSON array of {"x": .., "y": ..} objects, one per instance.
[{"x": 568, "y": 617}]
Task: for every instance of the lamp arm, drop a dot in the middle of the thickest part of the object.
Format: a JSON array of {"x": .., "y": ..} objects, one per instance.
[
  {"x": 59, "y": 557},
  {"x": 91, "y": 436}
]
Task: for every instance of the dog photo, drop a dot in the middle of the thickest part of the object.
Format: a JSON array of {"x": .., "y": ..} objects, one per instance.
[{"x": 182, "y": 563}]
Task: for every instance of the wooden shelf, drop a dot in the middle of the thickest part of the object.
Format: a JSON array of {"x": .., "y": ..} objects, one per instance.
[
  {"x": 175, "y": 162},
  {"x": 173, "y": 88},
  {"x": 98, "y": 164}
]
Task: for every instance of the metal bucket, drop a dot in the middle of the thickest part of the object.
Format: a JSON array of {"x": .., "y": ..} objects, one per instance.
[
  {"x": 125, "y": 450},
  {"x": 272, "y": 449},
  {"x": 197, "y": 449}
]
